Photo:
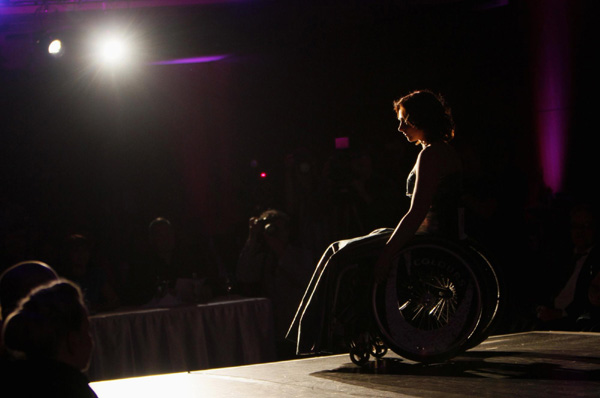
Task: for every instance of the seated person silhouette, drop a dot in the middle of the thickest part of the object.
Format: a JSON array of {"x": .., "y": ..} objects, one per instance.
[
  {"x": 272, "y": 265},
  {"x": 570, "y": 299},
  {"x": 589, "y": 321},
  {"x": 15, "y": 283},
  {"x": 81, "y": 265},
  {"x": 169, "y": 256},
  {"x": 48, "y": 336}
]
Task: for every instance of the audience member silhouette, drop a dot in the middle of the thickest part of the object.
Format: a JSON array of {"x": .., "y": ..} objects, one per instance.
[
  {"x": 589, "y": 321},
  {"x": 270, "y": 265},
  {"x": 81, "y": 266},
  {"x": 570, "y": 296},
  {"x": 169, "y": 257},
  {"x": 49, "y": 338},
  {"x": 15, "y": 283}
]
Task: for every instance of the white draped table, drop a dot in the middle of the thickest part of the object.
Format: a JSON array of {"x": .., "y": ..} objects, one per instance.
[{"x": 166, "y": 340}]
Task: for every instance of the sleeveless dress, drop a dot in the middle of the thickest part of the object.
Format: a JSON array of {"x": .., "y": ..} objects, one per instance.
[{"x": 445, "y": 217}]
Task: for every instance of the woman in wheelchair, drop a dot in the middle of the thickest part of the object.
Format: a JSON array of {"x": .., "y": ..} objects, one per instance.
[
  {"x": 434, "y": 182},
  {"x": 422, "y": 289}
]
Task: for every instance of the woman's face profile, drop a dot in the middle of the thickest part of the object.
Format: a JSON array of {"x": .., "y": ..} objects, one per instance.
[{"x": 411, "y": 133}]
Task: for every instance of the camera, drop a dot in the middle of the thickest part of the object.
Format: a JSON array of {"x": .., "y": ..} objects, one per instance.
[{"x": 268, "y": 225}]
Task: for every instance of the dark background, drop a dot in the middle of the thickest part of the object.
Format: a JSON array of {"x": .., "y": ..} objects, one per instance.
[{"x": 102, "y": 153}]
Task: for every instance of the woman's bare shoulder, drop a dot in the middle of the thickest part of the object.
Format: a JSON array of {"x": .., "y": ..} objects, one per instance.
[
  {"x": 435, "y": 151},
  {"x": 442, "y": 155}
]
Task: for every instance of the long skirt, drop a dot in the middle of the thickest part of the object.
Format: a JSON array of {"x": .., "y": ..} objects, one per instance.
[{"x": 440, "y": 298}]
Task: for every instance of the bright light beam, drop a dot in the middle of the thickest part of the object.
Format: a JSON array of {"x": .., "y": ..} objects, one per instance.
[
  {"x": 113, "y": 51},
  {"x": 55, "y": 47}
]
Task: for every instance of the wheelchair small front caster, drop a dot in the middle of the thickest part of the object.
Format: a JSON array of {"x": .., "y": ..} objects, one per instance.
[
  {"x": 366, "y": 346},
  {"x": 378, "y": 348},
  {"x": 359, "y": 355}
]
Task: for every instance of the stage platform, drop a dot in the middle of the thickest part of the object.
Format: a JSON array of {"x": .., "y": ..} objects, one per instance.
[{"x": 533, "y": 364}]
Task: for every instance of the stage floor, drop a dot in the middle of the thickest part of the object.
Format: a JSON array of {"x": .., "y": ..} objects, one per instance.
[{"x": 533, "y": 364}]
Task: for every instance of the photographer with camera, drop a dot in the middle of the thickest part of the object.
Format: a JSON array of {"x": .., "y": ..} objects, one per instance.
[{"x": 271, "y": 266}]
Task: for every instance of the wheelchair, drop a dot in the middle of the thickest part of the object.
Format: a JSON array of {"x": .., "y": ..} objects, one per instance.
[{"x": 441, "y": 298}]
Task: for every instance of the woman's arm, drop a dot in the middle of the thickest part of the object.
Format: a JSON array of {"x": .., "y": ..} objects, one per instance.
[{"x": 428, "y": 173}]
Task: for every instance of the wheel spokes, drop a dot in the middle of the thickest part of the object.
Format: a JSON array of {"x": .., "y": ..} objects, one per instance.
[{"x": 429, "y": 302}]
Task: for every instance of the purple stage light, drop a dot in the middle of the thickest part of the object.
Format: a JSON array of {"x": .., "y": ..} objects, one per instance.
[
  {"x": 552, "y": 125},
  {"x": 552, "y": 71},
  {"x": 193, "y": 60}
]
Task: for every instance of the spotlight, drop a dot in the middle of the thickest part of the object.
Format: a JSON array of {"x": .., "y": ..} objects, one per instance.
[
  {"x": 52, "y": 44},
  {"x": 55, "y": 47},
  {"x": 113, "y": 50}
]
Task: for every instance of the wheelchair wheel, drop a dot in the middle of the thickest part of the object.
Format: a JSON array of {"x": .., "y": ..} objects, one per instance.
[
  {"x": 431, "y": 305},
  {"x": 491, "y": 295}
]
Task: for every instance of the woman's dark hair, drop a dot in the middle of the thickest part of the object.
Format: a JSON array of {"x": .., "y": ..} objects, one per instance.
[
  {"x": 17, "y": 281},
  {"x": 43, "y": 320},
  {"x": 428, "y": 111}
]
